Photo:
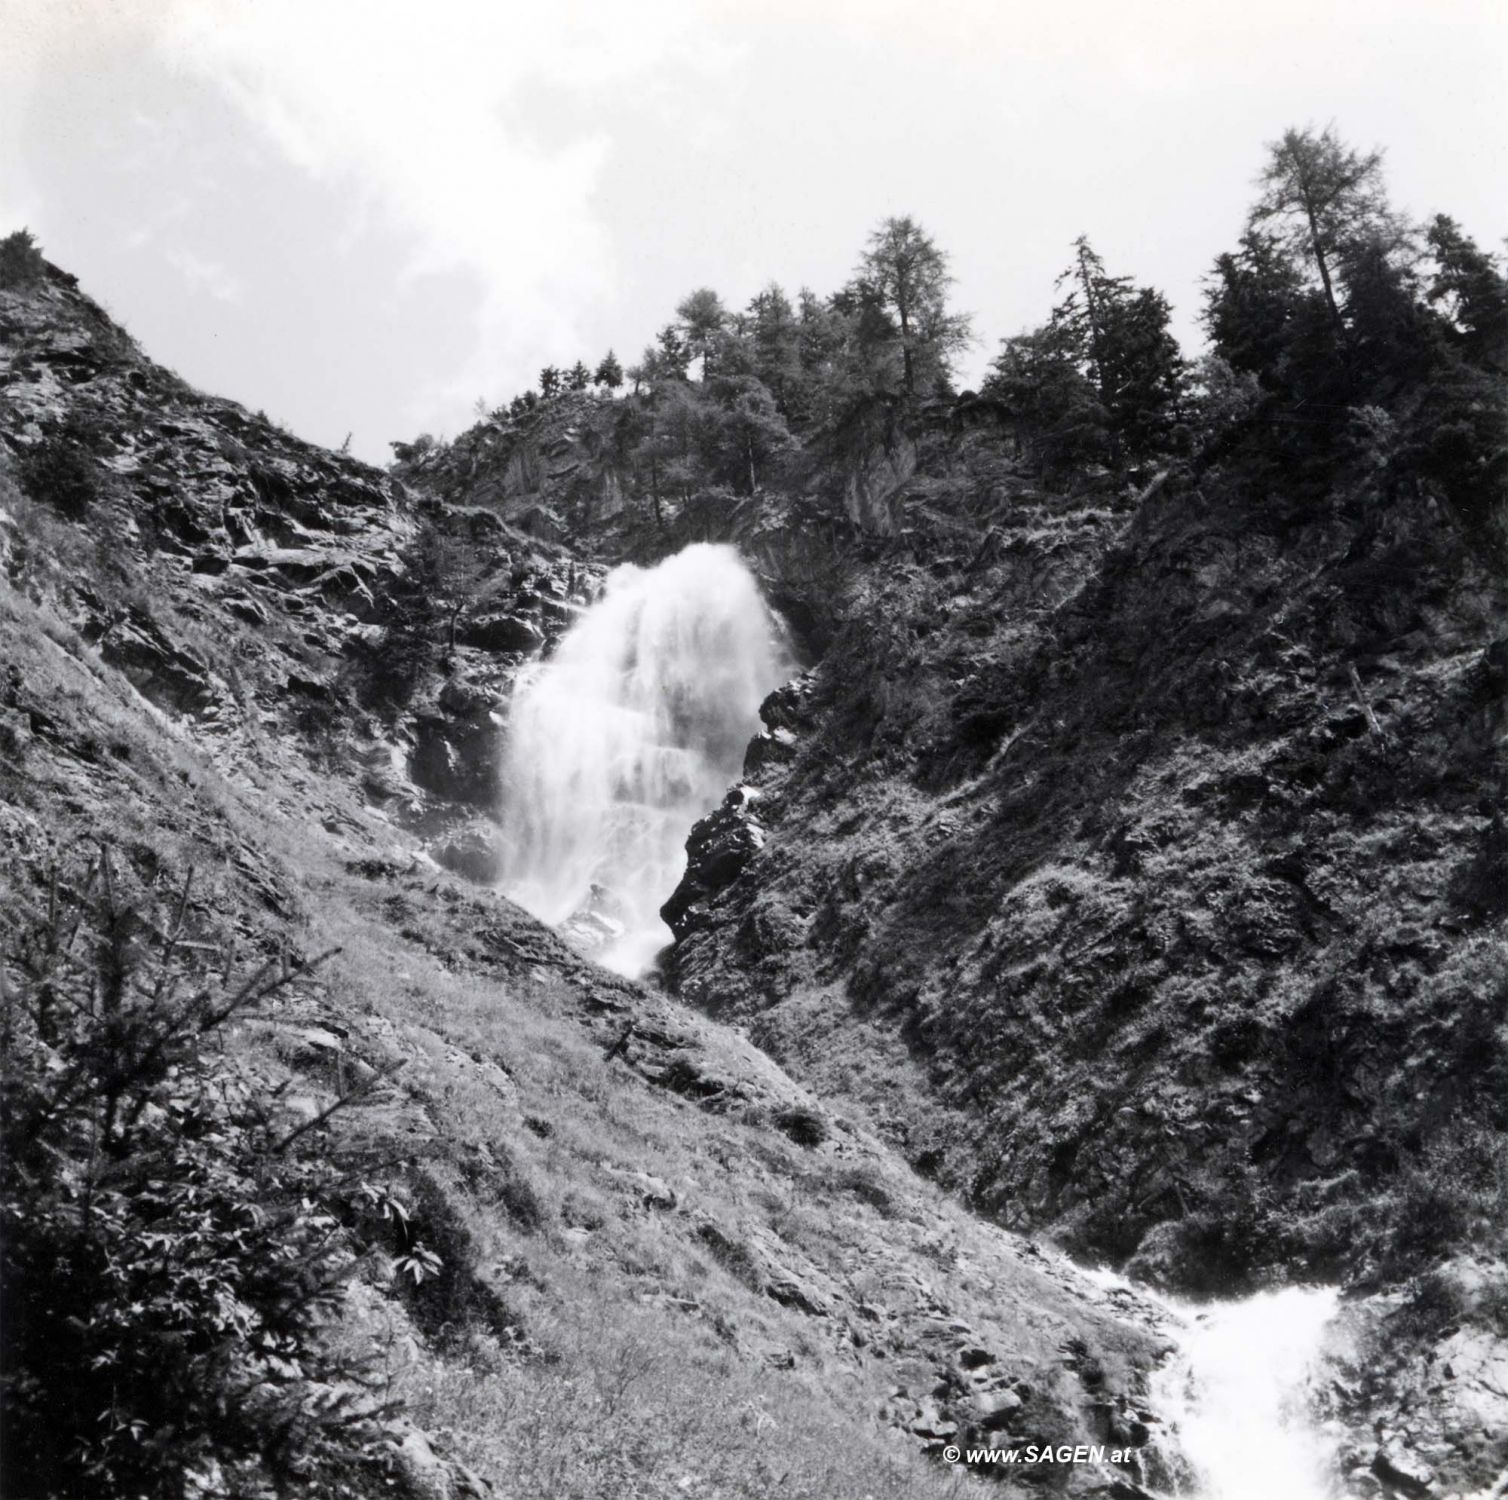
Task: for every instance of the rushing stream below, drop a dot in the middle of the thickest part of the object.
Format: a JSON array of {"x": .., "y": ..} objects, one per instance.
[
  {"x": 1234, "y": 1396},
  {"x": 632, "y": 730}
]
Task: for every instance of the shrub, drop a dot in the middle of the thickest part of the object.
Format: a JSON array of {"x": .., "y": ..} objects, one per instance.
[
  {"x": 21, "y": 262},
  {"x": 173, "y": 1257},
  {"x": 62, "y": 470},
  {"x": 1453, "y": 1192}
]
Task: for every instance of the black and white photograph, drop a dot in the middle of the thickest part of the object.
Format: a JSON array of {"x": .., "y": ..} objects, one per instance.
[{"x": 753, "y": 750}]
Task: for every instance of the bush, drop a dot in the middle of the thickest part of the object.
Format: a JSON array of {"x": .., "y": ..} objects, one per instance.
[
  {"x": 173, "y": 1256},
  {"x": 62, "y": 470},
  {"x": 21, "y": 262}
]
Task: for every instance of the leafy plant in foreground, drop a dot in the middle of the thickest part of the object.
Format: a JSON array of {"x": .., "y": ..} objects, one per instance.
[{"x": 173, "y": 1249}]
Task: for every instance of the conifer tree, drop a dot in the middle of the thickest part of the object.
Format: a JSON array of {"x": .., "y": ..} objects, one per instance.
[
  {"x": 703, "y": 317},
  {"x": 672, "y": 357},
  {"x": 1469, "y": 288},
  {"x": 1318, "y": 198},
  {"x": 747, "y": 432},
  {"x": 907, "y": 275},
  {"x": 1251, "y": 301},
  {"x": 775, "y": 336},
  {"x": 609, "y": 373},
  {"x": 1118, "y": 336}
]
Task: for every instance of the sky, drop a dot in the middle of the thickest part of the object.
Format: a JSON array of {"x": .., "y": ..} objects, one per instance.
[{"x": 364, "y": 216}]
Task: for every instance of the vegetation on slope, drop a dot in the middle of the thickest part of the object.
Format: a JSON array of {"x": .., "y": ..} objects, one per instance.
[
  {"x": 601, "y": 1260},
  {"x": 1132, "y": 855}
]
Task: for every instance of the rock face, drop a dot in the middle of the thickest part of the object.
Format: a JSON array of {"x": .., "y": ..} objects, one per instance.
[
  {"x": 1142, "y": 873},
  {"x": 548, "y": 472},
  {"x": 338, "y": 641},
  {"x": 721, "y": 845}
]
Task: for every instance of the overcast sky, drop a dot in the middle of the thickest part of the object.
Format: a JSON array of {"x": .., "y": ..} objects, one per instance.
[{"x": 362, "y": 215}]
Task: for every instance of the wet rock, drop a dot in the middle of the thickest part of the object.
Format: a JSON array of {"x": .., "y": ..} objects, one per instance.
[
  {"x": 1399, "y": 1466},
  {"x": 456, "y": 760},
  {"x": 473, "y": 853},
  {"x": 501, "y": 633},
  {"x": 788, "y": 708},
  {"x": 597, "y": 924},
  {"x": 774, "y": 747},
  {"x": 719, "y": 848}
]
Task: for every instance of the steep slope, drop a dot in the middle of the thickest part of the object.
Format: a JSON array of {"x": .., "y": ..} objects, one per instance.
[
  {"x": 1133, "y": 854},
  {"x": 663, "y": 1266},
  {"x": 1143, "y": 877}
]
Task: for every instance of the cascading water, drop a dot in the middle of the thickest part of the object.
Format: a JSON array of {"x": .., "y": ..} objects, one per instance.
[
  {"x": 1235, "y": 1396},
  {"x": 627, "y": 735}
]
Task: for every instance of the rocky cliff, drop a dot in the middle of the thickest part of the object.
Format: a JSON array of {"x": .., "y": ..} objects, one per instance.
[
  {"x": 1127, "y": 868},
  {"x": 1140, "y": 871}
]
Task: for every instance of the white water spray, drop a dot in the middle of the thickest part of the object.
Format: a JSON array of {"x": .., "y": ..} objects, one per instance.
[
  {"x": 627, "y": 735},
  {"x": 1235, "y": 1396}
]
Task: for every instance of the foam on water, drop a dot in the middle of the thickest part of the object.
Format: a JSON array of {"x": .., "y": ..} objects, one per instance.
[
  {"x": 628, "y": 734},
  {"x": 1235, "y": 1396}
]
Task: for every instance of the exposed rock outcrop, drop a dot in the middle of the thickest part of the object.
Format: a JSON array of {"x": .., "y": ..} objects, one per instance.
[{"x": 1134, "y": 875}]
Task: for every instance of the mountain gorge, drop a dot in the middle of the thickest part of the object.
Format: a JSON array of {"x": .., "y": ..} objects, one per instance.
[{"x": 1122, "y": 874}]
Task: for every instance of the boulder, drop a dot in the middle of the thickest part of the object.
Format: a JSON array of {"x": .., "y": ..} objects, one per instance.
[
  {"x": 501, "y": 632},
  {"x": 472, "y": 853},
  {"x": 719, "y": 848},
  {"x": 1398, "y": 1465},
  {"x": 997, "y": 1409}
]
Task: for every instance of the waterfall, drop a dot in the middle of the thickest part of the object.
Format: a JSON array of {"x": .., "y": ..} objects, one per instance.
[
  {"x": 631, "y": 731},
  {"x": 1235, "y": 1396}
]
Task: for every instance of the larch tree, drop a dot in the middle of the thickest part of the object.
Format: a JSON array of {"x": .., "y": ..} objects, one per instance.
[
  {"x": 703, "y": 317},
  {"x": 748, "y": 434},
  {"x": 1318, "y": 198},
  {"x": 909, "y": 277}
]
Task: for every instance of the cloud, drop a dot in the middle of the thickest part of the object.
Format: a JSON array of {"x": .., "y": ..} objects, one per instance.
[
  {"x": 477, "y": 132},
  {"x": 214, "y": 278},
  {"x": 419, "y": 108}
]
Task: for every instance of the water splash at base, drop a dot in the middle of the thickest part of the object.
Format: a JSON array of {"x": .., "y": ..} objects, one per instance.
[{"x": 1236, "y": 1396}]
